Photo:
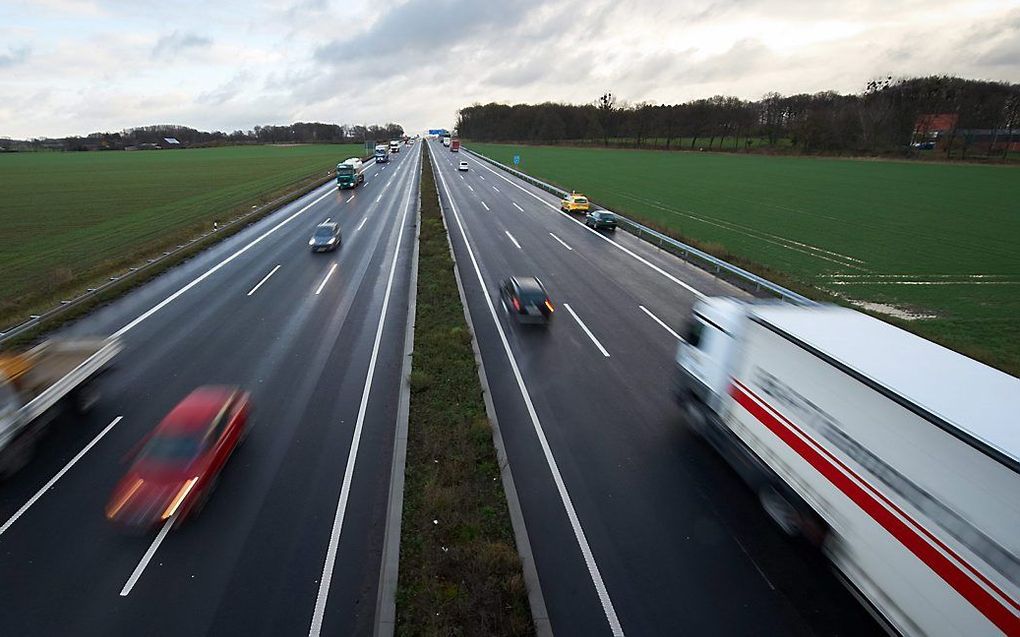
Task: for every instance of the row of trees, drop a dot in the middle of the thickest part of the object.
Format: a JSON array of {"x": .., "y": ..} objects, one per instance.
[
  {"x": 880, "y": 119},
  {"x": 151, "y": 136}
]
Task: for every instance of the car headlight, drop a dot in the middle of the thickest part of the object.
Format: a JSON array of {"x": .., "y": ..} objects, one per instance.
[
  {"x": 179, "y": 498},
  {"x": 333, "y": 240},
  {"x": 311, "y": 242}
]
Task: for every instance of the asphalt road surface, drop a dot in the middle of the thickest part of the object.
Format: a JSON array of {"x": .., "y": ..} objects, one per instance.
[
  {"x": 637, "y": 527},
  {"x": 305, "y": 497}
]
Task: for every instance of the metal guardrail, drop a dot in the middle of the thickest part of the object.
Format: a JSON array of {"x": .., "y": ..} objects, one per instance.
[
  {"x": 38, "y": 319},
  {"x": 685, "y": 251}
]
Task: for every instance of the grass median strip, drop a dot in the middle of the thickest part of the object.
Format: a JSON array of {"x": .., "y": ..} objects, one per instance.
[{"x": 460, "y": 573}]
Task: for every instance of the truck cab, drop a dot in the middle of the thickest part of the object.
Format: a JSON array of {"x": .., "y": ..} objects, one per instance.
[
  {"x": 707, "y": 353},
  {"x": 349, "y": 173},
  {"x": 395, "y": 146},
  {"x": 381, "y": 154}
]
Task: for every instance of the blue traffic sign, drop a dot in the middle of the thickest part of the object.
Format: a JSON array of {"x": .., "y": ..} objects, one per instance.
[{"x": 517, "y": 160}]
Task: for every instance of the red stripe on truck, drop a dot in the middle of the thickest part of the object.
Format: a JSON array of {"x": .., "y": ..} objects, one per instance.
[{"x": 991, "y": 607}]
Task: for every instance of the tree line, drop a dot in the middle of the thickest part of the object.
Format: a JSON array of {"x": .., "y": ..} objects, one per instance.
[
  {"x": 883, "y": 118},
  {"x": 154, "y": 136}
]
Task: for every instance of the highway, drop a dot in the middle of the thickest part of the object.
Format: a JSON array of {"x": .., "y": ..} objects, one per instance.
[
  {"x": 290, "y": 542},
  {"x": 637, "y": 527}
]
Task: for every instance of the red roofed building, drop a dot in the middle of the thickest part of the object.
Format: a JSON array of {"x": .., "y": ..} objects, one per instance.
[{"x": 932, "y": 125}]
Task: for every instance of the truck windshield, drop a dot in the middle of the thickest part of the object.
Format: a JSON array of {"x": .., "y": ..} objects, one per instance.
[
  {"x": 345, "y": 170},
  {"x": 694, "y": 329}
]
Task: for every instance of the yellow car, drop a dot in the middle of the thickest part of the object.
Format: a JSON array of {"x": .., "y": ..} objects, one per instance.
[{"x": 574, "y": 203}]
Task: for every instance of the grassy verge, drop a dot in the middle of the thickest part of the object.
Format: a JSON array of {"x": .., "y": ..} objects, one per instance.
[
  {"x": 71, "y": 220},
  {"x": 931, "y": 242},
  {"x": 149, "y": 272},
  {"x": 460, "y": 573}
]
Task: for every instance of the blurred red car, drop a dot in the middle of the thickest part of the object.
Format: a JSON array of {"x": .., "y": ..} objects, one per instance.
[{"x": 177, "y": 465}]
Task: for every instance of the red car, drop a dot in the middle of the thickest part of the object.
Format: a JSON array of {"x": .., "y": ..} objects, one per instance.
[{"x": 177, "y": 464}]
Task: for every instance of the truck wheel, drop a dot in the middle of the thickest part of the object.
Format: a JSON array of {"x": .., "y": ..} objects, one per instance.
[
  {"x": 782, "y": 512},
  {"x": 695, "y": 417},
  {"x": 16, "y": 456},
  {"x": 85, "y": 398}
]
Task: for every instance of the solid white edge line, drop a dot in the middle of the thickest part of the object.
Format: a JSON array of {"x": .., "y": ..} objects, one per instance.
[
  {"x": 586, "y": 330},
  {"x": 561, "y": 487},
  {"x": 512, "y": 239},
  {"x": 137, "y": 573},
  {"x": 633, "y": 254},
  {"x": 332, "y": 268},
  {"x": 485, "y": 206},
  {"x": 159, "y": 306},
  {"x": 562, "y": 242},
  {"x": 660, "y": 322},
  {"x": 516, "y": 206},
  {"x": 52, "y": 481},
  {"x": 361, "y": 224},
  {"x": 345, "y": 489},
  {"x": 264, "y": 279}
]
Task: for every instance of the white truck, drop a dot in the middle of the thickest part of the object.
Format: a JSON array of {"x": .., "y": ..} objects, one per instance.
[
  {"x": 899, "y": 457},
  {"x": 395, "y": 146},
  {"x": 35, "y": 386}
]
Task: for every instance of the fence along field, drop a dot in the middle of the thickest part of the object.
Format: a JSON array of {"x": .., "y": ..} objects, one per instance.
[
  {"x": 68, "y": 218},
  {"x": 933, "y": 244}
]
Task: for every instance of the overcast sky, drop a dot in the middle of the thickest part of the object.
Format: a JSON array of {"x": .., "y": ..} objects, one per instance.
[{"x": 78, "y": 66}]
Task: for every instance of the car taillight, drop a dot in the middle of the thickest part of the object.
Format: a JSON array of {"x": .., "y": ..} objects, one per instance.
[
  {"x": 517, "y": 304},
  {"x": 549, "y": 305}
]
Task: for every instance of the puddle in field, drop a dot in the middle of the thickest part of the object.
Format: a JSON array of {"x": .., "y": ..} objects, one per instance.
[{"x": 892, "y": 310}]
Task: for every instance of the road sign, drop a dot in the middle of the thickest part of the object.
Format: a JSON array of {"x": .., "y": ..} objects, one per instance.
[{"x": 517, "y": 160}]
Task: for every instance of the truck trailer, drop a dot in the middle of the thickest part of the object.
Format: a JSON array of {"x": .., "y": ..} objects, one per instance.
[
  {"x": 454, "y": 145},
  {"x": 38, "y": 385},
  {"x": 898, "y": 457}
]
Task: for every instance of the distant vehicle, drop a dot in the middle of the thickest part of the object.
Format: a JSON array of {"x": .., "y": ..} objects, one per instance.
[
  {"x": 177, "y": 465},
  {"x": 462, "y": 165},
  {"x": 446, "y": 140},
  {"x": 525, "y": 298},
  {"x": 924, "y": 145},
  {"x": 395, "y": 146},
  {"x": 454, "y": 145},
  {"x": 600, "y": 220},
  {"x": 382, "y": 154},
  {"x": 38, "y": 385},
  {"x": 326, "y": 238},
  {"x": 574, "y": 202},
  {"x": 900, "y": 456},
  {"x": 350, "y": 173}
]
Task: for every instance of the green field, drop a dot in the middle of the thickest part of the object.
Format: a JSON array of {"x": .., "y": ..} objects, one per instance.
[
  {"x": 939, "y": 241},
  {"x": 69, "y": 219}
]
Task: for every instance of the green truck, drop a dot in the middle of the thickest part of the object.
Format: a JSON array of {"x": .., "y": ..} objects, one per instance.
[{"x": 350, "y": 173}]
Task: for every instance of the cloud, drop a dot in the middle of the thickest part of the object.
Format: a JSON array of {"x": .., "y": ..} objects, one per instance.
[
  {"x": 226, "y": 91},
  {"x": 237, "y": 63},
  {"x": 169, "y": 46},
  {"x": 14, "y": 56}
]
